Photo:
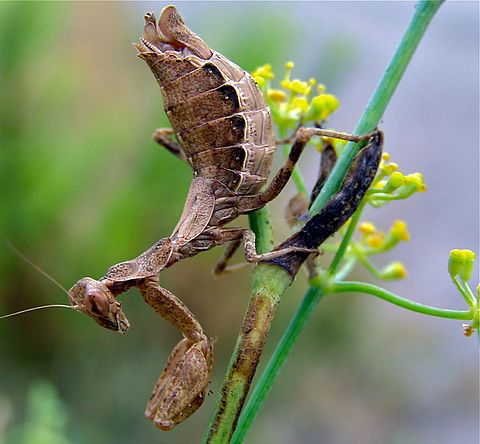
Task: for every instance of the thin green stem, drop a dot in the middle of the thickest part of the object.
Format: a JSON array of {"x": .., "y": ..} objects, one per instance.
[
  {"x": 363, "y": 287},
  {"x": 469, "y": 293},
  {"x": 347, "y": 267},
  {"x": 370, "y": 266},
  {"x": 469, "y": 298},
  {"x": 425, "y": 11}
]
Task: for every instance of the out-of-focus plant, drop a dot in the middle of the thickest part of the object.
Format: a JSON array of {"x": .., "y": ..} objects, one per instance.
[{"x": 46, "y": 418}]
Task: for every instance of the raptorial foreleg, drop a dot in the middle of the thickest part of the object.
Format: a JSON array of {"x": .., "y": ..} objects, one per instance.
[
  {"x": 171, "y": 308},
  {"x": 338, "y": 209},
  {"x": 183, "y": 383}
]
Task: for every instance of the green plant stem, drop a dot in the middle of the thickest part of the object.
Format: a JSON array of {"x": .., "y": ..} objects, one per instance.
[
  {"x": 369, "y": 265},
  {"x": 363, "y": 287},
  {"x": 468, "y": 296},
  {"x": 424, "y": 12}
]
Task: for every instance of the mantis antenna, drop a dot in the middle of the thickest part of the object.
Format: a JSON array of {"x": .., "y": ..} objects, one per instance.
[
  {"x": 35, "y": 266},
  {"x": 44, "y": 273},
  {"x": 37, "y": 308}
]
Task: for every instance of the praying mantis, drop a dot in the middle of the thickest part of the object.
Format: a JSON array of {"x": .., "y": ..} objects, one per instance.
[{"x": 224, "y": 131}]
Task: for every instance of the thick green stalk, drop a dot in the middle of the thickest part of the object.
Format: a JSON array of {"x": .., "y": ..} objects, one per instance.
[
  {"x": 269, "y": 283},
  {"x": 425, "y": 10},
  {"x": 310, "y": 301}
]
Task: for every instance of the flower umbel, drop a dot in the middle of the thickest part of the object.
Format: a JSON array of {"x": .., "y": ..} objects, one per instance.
[{"x": 291, "y": 102}]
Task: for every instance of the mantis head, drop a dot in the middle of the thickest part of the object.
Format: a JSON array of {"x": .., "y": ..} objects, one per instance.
[{"x": 95, "y": 300}]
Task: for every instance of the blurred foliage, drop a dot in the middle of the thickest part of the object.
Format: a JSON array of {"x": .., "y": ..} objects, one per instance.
[
  {"x": 82, "y": 187},
  {"x": 46, "y": 418}
]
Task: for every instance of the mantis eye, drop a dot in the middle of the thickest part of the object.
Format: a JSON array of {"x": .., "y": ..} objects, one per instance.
[{"x": 97, "y": 301}]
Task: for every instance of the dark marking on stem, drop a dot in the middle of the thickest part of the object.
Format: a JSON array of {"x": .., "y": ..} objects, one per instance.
[{"x": 258, "y": 318}]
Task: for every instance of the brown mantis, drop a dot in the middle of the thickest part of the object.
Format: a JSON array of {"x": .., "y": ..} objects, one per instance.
[{"x": 224, "y": 131}]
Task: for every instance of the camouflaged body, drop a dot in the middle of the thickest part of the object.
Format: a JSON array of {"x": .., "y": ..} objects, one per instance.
[{"x": 220, "y": 117}]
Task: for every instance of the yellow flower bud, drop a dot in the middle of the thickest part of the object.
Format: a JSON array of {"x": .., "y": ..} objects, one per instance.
[
  {"x": 399, "y": 230},
  {"x": 299, "y": 87},
  {"x": 366, "y": 228},
  {"x": 321, "y": 88},
  {"x": 385, "y": 156},
  {"x": 276, "y": 95},
  {"x": 312, "y": 81},
  {"x": 375, "y": 240},
  {"x": 395, "y": 270},
  {"x": 414, "y": 179},
  {"x": 264, "y": 71},
  {"x": 289, "y": 65},
  {"x": 300, "y": 103},
  {"x": 466, "y": 271},
  {"x": 455, "y": 262},
  {"x": 396, "y": 180},
  {"x": 389, "y": 168},
  {"x": 324, "y": 105}
]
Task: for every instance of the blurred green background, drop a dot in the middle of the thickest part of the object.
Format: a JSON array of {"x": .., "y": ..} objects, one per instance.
[{"x": 83, "y": 187}]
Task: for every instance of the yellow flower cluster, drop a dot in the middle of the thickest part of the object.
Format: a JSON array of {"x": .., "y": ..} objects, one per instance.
[
  {"x": 377, "y": 241},
  {"x": 390, "y": 184},
  {"x": 374, "y": 242},
  {"x": 293, "y": 103}
]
